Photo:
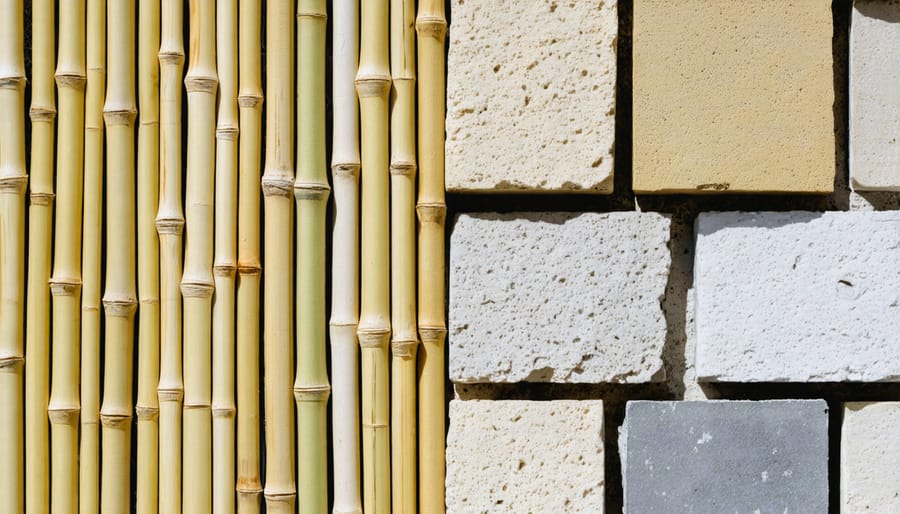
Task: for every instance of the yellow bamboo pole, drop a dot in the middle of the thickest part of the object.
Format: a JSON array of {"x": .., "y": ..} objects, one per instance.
[
  {"x": 277, "y": 187},
  {"x": 249, "y": 486},
  {"x": 373, "y": 82},
  {"x": 120, "y": 298},
  {"x": 170, "y": 225},
  {"x": 13, "y": 179},
  {"x": 40, "y": 225},
  {"x": 147, "y": 408},
  {"x": 431, "y": 27}
]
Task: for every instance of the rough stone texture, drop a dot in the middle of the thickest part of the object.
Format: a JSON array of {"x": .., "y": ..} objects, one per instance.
[
  {"x": 525, "y": 456},
  {"x": 875, "y": 95},
  {"x": 731, "y": 95},
  {"x": 725, "y": 456},
  {"x": 870, "y": 451},
  {"x": 558, "y": 297},
  {"x": 531, "y": 96},
  {"x": 798, "y": 296}
]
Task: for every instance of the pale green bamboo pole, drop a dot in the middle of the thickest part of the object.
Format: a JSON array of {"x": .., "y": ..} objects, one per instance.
[
  {"x": 249, "y": 485},
  {"x": 170, "y": 225},
  {"x": 40, "y": 227},
  {"x": 120, "y": 298},
  {"x": 13, "y": 179},
  {"x": 65, "y": 285},
  {"x": 373, "y": 83},
  {"x": 147, "y": 408},
  {"x": 311, "y": 190}
]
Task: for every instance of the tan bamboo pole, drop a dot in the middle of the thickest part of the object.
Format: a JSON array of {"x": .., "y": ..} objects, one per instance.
[
  {"x": 431, "y": 26},
  {"x": 65, "y": 285},
  {"x": 403, "y": 257},
  {"x": 345, "y": 260},
  {"x": 89, "y": 474},
  {"x": 311, "y": 191},
  {"x": 40, "y": 225},
  {"x": 249, "y": 485},
  {"x": 373, "y": 82},
  {"x": 120, "y": 297},
  {"x": 147, "y": 408},
  {"x": 13, "y": 180},
  {"x": 225, "y": 260},
  {"x": 277, "y": 187},
  {"x": 169, "y": 226}
]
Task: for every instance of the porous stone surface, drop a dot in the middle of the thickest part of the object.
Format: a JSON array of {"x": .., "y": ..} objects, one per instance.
[
  {"x": 875, "y": 95},
  {"x": 798, "y": 296},
  {"x": 870, "y": 451},
  {"x": 558, "y": 297},
  {"x": 725, "y": 456},
  {"x": 525, "y": 456},
  {"x": 733, "y": 96},
  {"x": 531, "y": 96}
]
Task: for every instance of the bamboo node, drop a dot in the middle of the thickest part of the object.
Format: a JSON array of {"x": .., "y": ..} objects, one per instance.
[
  {"x": 337, "y": 323},
  {"x": 170, "y": 57},
  {"x": 432, "y": 26},
  {"x": 170, "y": 395},
  {"x": 321, "y": 16},
  {"x": 11, "y": 361},
  {"x": 146, "y": 413},
  {"x": 197, "y": 406},
  {"x": 431, "y": 212},
  {"x": 197, "y": 289},
  {"x": 66, "y": 286},
  {"x": 69, "y": 79},
  {"x": 404, "y": 349},
  {"x": 119, "y": 307},
  {"x": 115, "y": 420},
  {"x": 201, "y": 84},
  {"x": 286, "y": 496},
  {"x": 39, "y": 198},
  {"x": 403, "y": 168},
  {"x": 345, "y": 169},
  {"x": 228, "y": 133},
  {"x": 249, "y": 269},
  {"x": 375, "y": 425},
  {"x": 278, "y": 186},
  {"x": 64, "y": 414},
  {"x": 370, "y": 85},
  {"x": 312, "y": 393},
  {"x": 311, "y": 190},
  {"x": 12, "y": 82},
  {"x": 223, "y": 412},
  {"x": 249, "y": 100},
  {"x": 42, "y": 113},
  {"x": 375, "y": 337},
  {"x": 116, "y": 116},
  {"x": 224, "y": 270},
  {"x": 248, "y": 487},
  {"x": 432, "y": 335},
  {"x": 15, "y": 185},
  {"x": 172, "y": 226}
]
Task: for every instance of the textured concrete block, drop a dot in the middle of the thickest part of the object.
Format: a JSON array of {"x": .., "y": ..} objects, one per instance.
[
  {"x": 558, "y": 297},
  {"x": 531, "y": 96},
  {"x": 875, "y": 95},
  {"x": 870, "y": 451},
  {"x": 733, "y": 96},
  {"x": 725, "y": 456},
  {"x": 798, "y": 296},
  {"x": 524, "y": 456}
]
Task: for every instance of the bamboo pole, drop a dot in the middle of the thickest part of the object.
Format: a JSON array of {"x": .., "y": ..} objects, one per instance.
[
  {"x": 345, "y": 260},
  {"x": 249, "y": 486},
  {"x": 224, "y": 262},
  {"x": 13, "y": 179},
  {"x": 147, "y": 408},
  {"x": 431, "y": 26},
  {"x": 372, "y": 85},
  {"x": 65, "y": 285},
  {"x": 120, "y": 298},
  {"x": 403, "y": 257},
  {"x": 311, "y": 190},
  {"x": 169, "y": 226},
  {"x": 277, "y": 186},
  {"x": 40, "y": 225}
]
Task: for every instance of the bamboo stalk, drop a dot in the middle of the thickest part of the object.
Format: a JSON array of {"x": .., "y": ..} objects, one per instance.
[
  {"x": 119, "y": 300},
  {"x": 224, "y": 263},
  {"x": 311, "y": 190},
  {"x": 249, "y": 486},
  {"x": 147, "y": 407},
  {"x": 373, "y": 82},
  {"x": 170, "y": 225},
  {"x": 431, "y": 26},
  {"x": 40, "y": 214},
  {"x": 277, "y": 186},
  {"x": 65, "y": 285},
  {"x": 13, "y": 179},
  {"x": 345, "y": 260},
  {"x": 403, "y": 257}
]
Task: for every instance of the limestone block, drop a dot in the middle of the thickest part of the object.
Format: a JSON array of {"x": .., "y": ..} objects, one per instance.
[
  {"x": 725, "y": 456},
  {"x": 733, "y": 96},
  {"x": 525, "y": 456},
  {"x": 870, "y": 451},
  {"x": 875, "y": 95},
  {"x": 798, "y": 296},
  {"x": 558, "y": 297},
  {"x": 531, "y": 96}
]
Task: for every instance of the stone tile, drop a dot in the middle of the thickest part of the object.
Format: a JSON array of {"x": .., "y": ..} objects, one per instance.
[
  {"x": 870, "y": 451},
  {"x": 798, "y": 296},
  {"x": 875, "y": 95},
  {"x": 733, "y": 96},
  {"x": 725, "y": 456},
  {"x": 531, "y": 96},
  {"x": 525, "y": 456},
  {"x": 558, "y": 297}
]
